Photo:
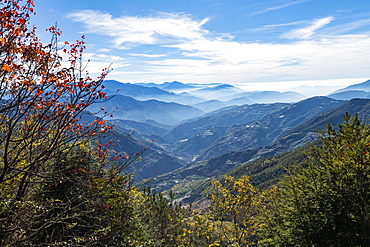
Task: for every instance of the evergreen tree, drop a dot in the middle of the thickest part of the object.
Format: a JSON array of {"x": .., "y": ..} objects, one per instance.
[{"x": 325, "y": 202}]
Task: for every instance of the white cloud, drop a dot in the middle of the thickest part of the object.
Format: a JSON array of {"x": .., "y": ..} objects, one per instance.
[
  {"x": 277, "y": 7},
  {"x": 104, "y": 50},
  {"x": 274, "y": 26},
  {"x": 133, "y": 30},
  {"x": 190, "y": 53},
  {"x": 307, "y": 32},
  {"x": 95, "y": 62},
  {"x": 346, "y": 27},
  {"x": 147, "y": 55},
  {"x": 223, "y": 61}
]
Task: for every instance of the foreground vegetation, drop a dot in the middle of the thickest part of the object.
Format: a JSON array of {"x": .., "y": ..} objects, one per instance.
[{"x": 60, "y": 187}]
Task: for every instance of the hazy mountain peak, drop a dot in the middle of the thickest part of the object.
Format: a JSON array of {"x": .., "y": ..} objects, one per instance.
[
  {"x": 175, "y": 85},
  {"x": 364, "y": 86},
  {"x": 220, "y": 87}
]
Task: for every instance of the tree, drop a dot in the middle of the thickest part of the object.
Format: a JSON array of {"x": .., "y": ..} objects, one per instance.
[
  {"x": 41, "y": 101},
  {"x": 232, "y": 209},
  {"x": 42, "y": 105},
  {"x": 326, "y": 201},
  {"x": 162, "y": 220},
  {"x": 200, "y": 231},
  {"x": 58, "y": 185}
]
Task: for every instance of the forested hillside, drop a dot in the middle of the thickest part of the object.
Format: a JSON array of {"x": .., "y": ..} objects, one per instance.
[{"x": 71, "y": 173}]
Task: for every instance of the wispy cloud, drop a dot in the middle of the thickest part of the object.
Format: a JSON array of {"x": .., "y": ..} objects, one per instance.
[
  {"x": 346, "y": 27},
  {"x": 104, "y": 50},
  {"x": 147, "y": 55},
  {"x": 134, "y": 30},
  {"x": 275, "y": 26},
  {"x": 307, "y": 32},
  {"x": 277, "y": 7},
  {"x": 182, "y": 49}
]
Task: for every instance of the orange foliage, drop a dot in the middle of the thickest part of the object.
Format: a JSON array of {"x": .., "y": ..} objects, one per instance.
[{"x": 40, "y": 100}]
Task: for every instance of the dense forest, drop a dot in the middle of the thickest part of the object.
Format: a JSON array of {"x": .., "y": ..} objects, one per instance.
[{"x": 60, "y": 186}]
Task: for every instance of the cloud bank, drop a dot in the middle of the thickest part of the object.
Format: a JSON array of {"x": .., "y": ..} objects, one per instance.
[{"x": 181, "y": 48}]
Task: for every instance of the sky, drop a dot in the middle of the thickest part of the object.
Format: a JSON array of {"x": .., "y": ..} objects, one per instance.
[{"x": 253, "y": 44}]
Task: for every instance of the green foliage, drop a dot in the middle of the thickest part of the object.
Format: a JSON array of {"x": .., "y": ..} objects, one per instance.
[
  {"x": 162, "y": 220},
  {"x": 79, "y": 203},
  {"x": 325, "y": 202},
  {"x": 266, "y": 172}
]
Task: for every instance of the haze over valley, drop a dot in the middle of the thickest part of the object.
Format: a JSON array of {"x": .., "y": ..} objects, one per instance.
[{"x": 196, "y": 132}]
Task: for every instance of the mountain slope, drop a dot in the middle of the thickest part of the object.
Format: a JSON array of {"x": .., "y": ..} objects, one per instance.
[
  {"x": 154, "y": 160},
  {"x": 335, "y": 116},
  {"x": 364, "y": 86},
  {"x": 134, "y": 90},
  {"x": 127, "y": 108},
  {"x": 270, "y": 96},
  {"x": 214, "y": 92},
  {"x": 240, "y": 101},
  {"x": 269, "y": 128},
  {"x": 350, "y": 94},
  {"x": 225, "y": 117},
  {"x": 144, "y": 129},
  {"x": 248, "y": 161},
  {"x": 140, "y": 92},
  {"x": 176, "y": 86},
  {"x": 211, "y": 105}
]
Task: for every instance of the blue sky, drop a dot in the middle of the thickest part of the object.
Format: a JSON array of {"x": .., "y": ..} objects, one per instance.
[{"x": 255, "y": 44}]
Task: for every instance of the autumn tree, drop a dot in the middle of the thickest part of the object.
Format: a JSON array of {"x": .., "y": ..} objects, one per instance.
[
  {"x": 232, "y": 210},
  {"x": 200, "y": 230},
  {"x": 41, "y": 101},
  {"x": 41, "y": 133},
  {"x": 58, "y": 185},
  {"x": 325, "y": 201}
]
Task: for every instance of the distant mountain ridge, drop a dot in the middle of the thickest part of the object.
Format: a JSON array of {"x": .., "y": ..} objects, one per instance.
[
  {"x": 274, "y": 96},
  {"x": 192, "y": 142},
  {"x": 124, "y": 107},
  {"x": 140, "y": 92},
  {"x": 132, "y": 90},
  {"x": 174, "y": 85},
  {"x": 208, "y": 97},
  {"x": 261, "y": 132},
  {"x": 211, "y": 105},
  {"x": 360, "y": 90},
  {"x": 215, "y": 92},
  {"x": 225, "y": 117},
  {"x": 364, "y": 86},
  {"x": 226, "y": 94},
  {"x": 291, "y": 140}
]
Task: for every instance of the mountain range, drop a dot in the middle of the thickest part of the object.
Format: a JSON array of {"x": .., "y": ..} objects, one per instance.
[
  {"x": 124, "y": 107},
  {"x": 360, "y": 90},
  {"x": 243, "y": 162},
  {"x": 201, "y": 132}
]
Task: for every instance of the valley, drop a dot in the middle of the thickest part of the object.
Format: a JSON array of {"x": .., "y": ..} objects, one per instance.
[{"x": 220, "y": 130}]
